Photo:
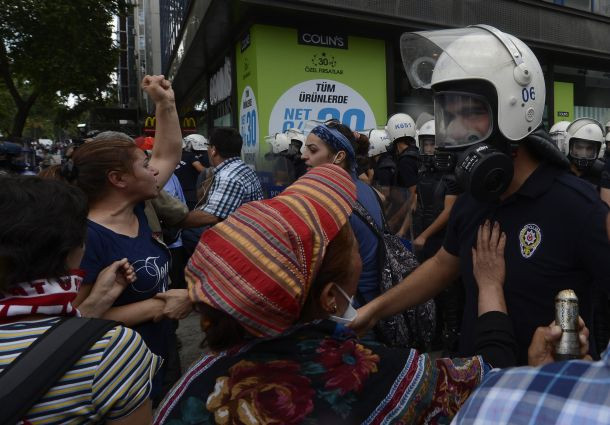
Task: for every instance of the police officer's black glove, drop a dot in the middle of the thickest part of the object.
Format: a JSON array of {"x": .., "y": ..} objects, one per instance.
[{"x": 542, "y": 145}]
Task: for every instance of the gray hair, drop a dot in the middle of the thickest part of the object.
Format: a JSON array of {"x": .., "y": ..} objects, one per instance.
[{"x": 112, "y": 135}]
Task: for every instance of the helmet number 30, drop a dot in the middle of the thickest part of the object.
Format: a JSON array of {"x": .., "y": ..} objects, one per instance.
[{"x": 527, "y": 94}]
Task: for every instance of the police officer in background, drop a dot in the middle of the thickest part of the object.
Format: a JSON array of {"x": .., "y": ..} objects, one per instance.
[
  {"x": 583, "y": 145},
  {"x": 605, "y": 179},
  {"x": 402, "y": 177},
  {"x": 558, "y": 133},
  {"x": 489, "y": 95},
  {"x": 437, "y": 191}
]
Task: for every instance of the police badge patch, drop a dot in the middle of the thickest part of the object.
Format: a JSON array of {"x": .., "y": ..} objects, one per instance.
[{"x": 530, "y": 238}]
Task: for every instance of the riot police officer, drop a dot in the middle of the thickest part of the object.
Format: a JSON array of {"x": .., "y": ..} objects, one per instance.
[
  {"x": 402, "y": 178},
  {"x": 583, "y": 145},
  {"x": 436, "y": 191},
  {"x": 489, "y": 95}
]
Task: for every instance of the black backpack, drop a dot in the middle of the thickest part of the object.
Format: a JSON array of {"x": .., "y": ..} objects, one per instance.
[{"x": 44, "y": 362}]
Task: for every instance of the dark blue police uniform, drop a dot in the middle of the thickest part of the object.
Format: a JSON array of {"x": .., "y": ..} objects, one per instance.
[{"x": 556, "y": 239}]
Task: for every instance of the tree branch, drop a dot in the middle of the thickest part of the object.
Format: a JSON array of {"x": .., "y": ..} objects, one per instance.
[{"x": 6, "y": 76}]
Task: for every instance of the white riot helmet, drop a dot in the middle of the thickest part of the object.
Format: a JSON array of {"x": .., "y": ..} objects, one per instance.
[
  {"x": 558, "y": 133},
  {"x": 379, "y": 142},
  {"x": 195, "y": 142},
  {"x": 585, "y": 137},
  {"x": 433, "y": 59},
  {"x": 279, "y": 142},
  {"x": 426, "y": 138},
  {"x": 400, "y": 125}
]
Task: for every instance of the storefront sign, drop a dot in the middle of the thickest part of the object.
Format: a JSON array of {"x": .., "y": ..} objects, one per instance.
[
  {"x": 320, "y": 100},
  {"x": 221, "y": 83},
  {"x": 248, "y": 125},
  {"x": 563, "y": 101},
  {"x": 316, "y": 38},
  {"x": 245, "y": 41},
  {"x": 295, "y": 76}
]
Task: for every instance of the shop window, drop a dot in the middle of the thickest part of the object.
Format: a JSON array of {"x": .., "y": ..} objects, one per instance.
[
  {"x": 578, "y": 4},
  {"x": 602, "y": 7},
  {"x": 591, "y": 91}
]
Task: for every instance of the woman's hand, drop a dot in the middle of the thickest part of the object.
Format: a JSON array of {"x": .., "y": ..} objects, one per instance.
[
  {"x": 542, "y": 348},
  {"x": 178, "y": 305},
  {"x": 489, "y": 267},
  {"x": 158, "y": 88},
  {"x": 110, "y": 283}
]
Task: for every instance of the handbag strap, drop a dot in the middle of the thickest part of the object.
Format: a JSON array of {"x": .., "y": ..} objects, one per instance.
[{"x": 44, "y": 362}]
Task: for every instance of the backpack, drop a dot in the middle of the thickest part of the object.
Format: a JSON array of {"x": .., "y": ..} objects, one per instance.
[
  {"x": 415, "y": 327},
  {"x": 44, "y": 362}
]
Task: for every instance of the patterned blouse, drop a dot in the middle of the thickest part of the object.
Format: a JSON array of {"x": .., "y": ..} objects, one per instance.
[{"x": 320, "y": 373}]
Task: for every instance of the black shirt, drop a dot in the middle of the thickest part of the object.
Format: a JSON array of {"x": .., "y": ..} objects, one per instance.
[
  {"x": 605, "y": 180},
  {"x": 407, "y": 167},
  {"x": 384, "y": 170},
  {"x": 187, "y": 174},
  {"x": 556, "y": 239}
]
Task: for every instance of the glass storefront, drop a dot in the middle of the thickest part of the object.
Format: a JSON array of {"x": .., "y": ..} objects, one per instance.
[{"x": 590, "y": 91}]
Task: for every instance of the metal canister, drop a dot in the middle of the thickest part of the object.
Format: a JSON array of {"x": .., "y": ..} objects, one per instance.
[{"x": 566, "y": 317}]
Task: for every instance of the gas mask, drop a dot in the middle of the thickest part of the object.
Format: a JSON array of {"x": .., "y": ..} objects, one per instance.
[
  {"x": 465, "y": 144},
  {"x": 583, "y": 153}
]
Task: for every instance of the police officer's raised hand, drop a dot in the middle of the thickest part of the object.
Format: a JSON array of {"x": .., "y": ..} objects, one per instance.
[
  {"x": 542, "y": 348},
  {"x": 158, "y": 88},
  {"x": 489, "y": 267}
]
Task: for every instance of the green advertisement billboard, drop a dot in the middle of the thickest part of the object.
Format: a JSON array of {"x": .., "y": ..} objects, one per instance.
[
  {"x": 563, "y": 95},
  {"x": 287, "y": 76}
]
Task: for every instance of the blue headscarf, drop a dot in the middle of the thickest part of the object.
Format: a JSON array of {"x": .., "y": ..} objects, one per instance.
[{"x": 336, "y": 140}]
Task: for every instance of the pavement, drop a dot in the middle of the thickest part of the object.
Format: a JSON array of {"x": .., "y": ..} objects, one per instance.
[{"x": 190, "y": 335}]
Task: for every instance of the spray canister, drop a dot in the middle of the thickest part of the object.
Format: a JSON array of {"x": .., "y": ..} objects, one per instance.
[{"x": 566, "y": 317}]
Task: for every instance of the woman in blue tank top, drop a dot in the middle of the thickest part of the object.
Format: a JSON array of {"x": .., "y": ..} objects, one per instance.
[{"x": 118, "y": 178}]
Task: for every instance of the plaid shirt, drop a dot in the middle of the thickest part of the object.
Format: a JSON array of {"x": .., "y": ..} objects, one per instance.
[
  {"x": 574, "y": 392},
  {"x": 234, "y": 184}
]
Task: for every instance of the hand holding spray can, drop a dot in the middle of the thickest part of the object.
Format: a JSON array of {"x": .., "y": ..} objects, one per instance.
[{"x": 566, "y": 317}]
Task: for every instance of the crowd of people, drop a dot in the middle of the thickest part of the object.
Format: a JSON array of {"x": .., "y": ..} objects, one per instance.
[{"x": 403, "y": 275}]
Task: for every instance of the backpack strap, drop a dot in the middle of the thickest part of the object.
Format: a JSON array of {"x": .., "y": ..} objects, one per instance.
[{"x": 44, "y": 362}]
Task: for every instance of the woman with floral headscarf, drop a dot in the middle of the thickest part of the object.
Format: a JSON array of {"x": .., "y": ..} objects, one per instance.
[{"x": 274, "y": 285}]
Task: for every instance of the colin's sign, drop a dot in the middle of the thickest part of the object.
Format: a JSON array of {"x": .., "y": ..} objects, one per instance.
[{"x": 316, "y": 38}]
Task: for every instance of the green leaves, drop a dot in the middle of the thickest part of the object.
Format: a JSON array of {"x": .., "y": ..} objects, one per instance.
[{"x": 58, "y": 46}]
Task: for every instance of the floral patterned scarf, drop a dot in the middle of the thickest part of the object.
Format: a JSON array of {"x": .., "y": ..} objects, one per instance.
[
  {"x": 51, "y": 297},
  {"x": 320, "y": 373}
]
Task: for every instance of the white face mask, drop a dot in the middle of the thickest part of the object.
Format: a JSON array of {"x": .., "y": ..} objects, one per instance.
[{"x": 350, "y": 312}]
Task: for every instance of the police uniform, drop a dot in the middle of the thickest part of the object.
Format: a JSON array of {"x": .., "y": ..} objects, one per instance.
[
  {"x": 432, "y": 188},
  {"x": 407, "y": 167},
  {"x": 605, "y": 179},
  {"x": 556, "y": 239},
  {"x": 385, "y": 170}
]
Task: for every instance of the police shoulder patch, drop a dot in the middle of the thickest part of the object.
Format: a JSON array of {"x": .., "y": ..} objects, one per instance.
[{"x": 530, "y": 238}]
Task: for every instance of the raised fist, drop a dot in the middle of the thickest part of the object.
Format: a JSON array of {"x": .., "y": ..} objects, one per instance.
[{"x": 158, "y": 88}]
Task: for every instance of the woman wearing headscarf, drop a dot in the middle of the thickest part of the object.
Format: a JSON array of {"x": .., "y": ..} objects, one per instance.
[{"x": 274, "y": 284}]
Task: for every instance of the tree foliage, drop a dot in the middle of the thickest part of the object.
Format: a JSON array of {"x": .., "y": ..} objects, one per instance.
[{"x": 51, "y": 48}]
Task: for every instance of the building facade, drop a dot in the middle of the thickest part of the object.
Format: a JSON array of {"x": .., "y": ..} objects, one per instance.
[{"x": 267, "y": 65}]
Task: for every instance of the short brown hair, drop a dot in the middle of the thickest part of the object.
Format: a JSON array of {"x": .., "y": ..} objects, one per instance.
[{"x": 94, "y": 160}]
